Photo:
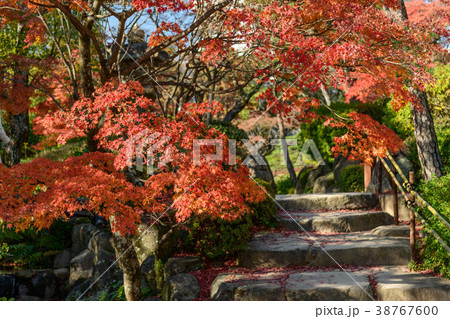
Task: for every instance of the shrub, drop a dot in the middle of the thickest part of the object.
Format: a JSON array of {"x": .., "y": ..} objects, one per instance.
[
  {"x": 215, "y": 238},
  {"x": 432, "y": 254},
  {"x": 443, "y": 135},
  {"x": 115, "y": 292},
  {"x": 352, "y": 179},
  {"x": 265, "y": 213},
  {"x": 284, "y": 185},
  {"x": 30, "y": 248}
]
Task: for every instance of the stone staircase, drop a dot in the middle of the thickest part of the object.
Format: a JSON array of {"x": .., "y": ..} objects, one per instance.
[{"x": 329, "y": 247}]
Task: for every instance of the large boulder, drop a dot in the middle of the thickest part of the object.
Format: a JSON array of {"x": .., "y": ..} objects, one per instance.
[
  {"x": 62, "y": 260},
  {"x": 325, "y": 184},
  {"x": 95, "y": 263},
  {"x": 61, "y": 273},
  {"x": 260, "y": 170},
  {"x": 148, "y": 271},
  {"x": 179, "y": 265},
  {"x": 387, "y": 205},
  {"x": 81, "y": 268},
  {"x": 105, "y": 271},
  {"x": 81, "y": 236},
  {"x": 101, "y": 240},
  {"x": 299, "y": 187},
  {"x": 79, "y": 291},
  {"x": 44, "y": 285},
  {"x": 9, "y": 286},
  {"x": 30, "y": 285},
  {"x": 182, "y": 287},
  {"x": 315, "y": 173}
]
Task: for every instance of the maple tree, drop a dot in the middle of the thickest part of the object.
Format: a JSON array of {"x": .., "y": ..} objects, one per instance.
[
  {"x": 305, "y": 43},
  {"x": 287, "y": 50},
  {"x": 427, "y": 24},
  {"x": 39, "y": 192}
]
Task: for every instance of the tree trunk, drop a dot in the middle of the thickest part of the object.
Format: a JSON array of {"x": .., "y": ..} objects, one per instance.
[
  {"x": 325, "y": 94},
  {"x": 426, "y": 139},
  {"x": 19, "y": 133},
  {"x": 424, "y": 131},
  {"x": 285, "y": 148},
  {"x": 18, "y": 123},
  {"x": 234, "y": 111},
  {"x": 242, "y": 100},
  {"x": 84, "y": 60},
  {"x": 129, "y": 263},
  {"x": 87, "y": 84}
]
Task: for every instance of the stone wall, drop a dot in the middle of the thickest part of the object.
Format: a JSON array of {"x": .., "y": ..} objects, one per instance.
[{"x": 387, "y": 205}]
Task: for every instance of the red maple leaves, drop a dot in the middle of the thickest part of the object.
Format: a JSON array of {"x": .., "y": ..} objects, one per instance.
[
  {"x": 365, "y": 139},
  {"x": 41, "y": 191},
  {"x": 297, "y": 48}
]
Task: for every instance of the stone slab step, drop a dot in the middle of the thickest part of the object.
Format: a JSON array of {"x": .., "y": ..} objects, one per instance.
[
  {"x": 246, "y": 287},
  {"x": 324, "y": 286},
  {"x": 334, "y": 222},
  {"x": 391, "y": 284},
  {"x": 397, "y": 284},
  {"x": 296, "y": 249},
  {"x": 392, "y": 231},
  {"x": 305, "y": 286},
  {"x": 337, "y": 201}
]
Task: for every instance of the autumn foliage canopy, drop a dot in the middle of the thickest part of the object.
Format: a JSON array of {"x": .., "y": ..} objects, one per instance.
[
  {"x": 292, "y": 48},
  {"x": 41, "y": 191}
]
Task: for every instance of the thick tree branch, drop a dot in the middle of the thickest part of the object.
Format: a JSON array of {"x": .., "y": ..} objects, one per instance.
[{"x": 175, "y": 38}]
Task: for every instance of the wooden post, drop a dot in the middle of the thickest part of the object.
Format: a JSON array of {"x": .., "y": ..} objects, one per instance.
[
  {"x": 412, "y": 223},
  {"x": 380, "y": 176},
  {"x": 395, "y": 202},
  {"x": 367, "y": 175}
]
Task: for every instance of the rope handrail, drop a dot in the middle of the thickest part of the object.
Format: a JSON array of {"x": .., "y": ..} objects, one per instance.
[
  {"x": 410, "y": 190},
  {"x": 416, "y": 213},
  {"x": 431, "y": 230}
]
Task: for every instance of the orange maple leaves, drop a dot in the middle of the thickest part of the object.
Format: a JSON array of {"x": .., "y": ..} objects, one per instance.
[
  {"x": 365, "y": 138},
  {"x": 39, "y": 192}
]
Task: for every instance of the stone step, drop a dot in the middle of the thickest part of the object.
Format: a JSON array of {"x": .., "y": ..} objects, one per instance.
[
  {"x": 276, "y": 286},
  {"x": 299, "y": 249},
  {"x": 336, "y": 201},
  {"x": 397, "y": 284},
  {"x": 390, "y": 284},
  {"x": 334, "y": 222},
  {"x": 392, "y": 231}
]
